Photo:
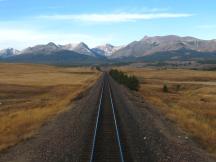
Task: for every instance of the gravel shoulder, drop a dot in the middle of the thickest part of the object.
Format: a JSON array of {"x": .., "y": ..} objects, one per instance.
[{"x": 149, "y": 134}]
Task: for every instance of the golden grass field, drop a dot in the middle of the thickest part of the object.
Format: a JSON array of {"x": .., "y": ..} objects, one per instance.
[
  {"x": 190, "y": 101},
  {"x": 32, "y": 94}
]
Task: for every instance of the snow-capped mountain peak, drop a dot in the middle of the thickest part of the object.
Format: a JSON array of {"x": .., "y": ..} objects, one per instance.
[
  {"x": 106, "y": 49},
  {"x": 47, "y": 48},
  {"x": 69, "y": 46},
  {"x": 81, "y": 48},
  {"x": 9, "y": 52}
]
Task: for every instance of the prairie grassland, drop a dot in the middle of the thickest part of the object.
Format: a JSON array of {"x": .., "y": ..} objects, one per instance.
[
  {"x": 32, "y": 94},
  {"x": 190, "y": 101}
]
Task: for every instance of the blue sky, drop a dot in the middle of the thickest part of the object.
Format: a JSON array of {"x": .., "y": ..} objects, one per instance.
[{"x": 26, "y": 23}]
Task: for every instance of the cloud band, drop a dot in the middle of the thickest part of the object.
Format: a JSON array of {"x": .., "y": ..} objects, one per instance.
[{"x": 120, "y": 17}]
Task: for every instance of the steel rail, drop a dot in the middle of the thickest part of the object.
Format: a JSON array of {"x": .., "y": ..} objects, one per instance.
[
  {"x": 116, "y": 127},
  {"x": 96, "y": 125}
]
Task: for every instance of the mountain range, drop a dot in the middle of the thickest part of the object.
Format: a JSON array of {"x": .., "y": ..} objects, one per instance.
[
  {"x": 152, "y": 45},
  {"x": 158, "y": 48}
]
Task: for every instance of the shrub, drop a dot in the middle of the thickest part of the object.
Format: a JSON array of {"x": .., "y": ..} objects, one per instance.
[
  {"x": 178, "y": 87},
  {"x": 129, "y": 81},
  {"x": 165, "y": 88},
  {"x": 98, "y": 68}
]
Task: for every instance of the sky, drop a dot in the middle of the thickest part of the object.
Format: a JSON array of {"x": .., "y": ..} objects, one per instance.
[{"x": 25, "y": 23}]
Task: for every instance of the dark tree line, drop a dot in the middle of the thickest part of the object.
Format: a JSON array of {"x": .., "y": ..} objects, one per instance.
[{"x": 129, "y": 81}]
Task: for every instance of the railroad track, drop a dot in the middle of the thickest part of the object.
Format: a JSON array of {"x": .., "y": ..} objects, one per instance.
[{"x": 106, "y": 143}]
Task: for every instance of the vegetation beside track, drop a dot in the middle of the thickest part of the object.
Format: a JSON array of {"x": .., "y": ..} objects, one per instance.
[
  {"x": 186, "y": 97},
  {"x": 129, "y": 81}
]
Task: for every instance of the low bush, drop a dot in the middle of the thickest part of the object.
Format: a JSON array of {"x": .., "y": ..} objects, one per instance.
[
  {"x": 165, "y": 88},
  {"x": 129, "y": 81}
]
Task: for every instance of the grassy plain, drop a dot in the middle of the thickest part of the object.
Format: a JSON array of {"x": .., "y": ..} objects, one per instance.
[
  {"x": 190, "y": 101},
  {"x": 32, "y": 94}
]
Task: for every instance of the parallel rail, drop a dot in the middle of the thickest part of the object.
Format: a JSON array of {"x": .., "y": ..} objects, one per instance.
[
  {"x": 97, "y": 124},
  {"x": 116, "y": 127}
]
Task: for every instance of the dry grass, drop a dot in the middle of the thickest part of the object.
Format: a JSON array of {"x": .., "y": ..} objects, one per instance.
[
  {"x": 32, "y": 94},
  {"x": 190, "y": 101}
]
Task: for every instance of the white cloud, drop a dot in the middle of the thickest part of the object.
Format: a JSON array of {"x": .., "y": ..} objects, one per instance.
[
  {"x": 139, "y": 9},
  {"x": 19, "y": 38},
  {"x": 115, "y": 17}
]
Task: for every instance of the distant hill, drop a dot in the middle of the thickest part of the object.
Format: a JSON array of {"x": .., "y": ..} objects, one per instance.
[
  {"x": 178, "y": 55},
  {"x": 63, "y": 57}
]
